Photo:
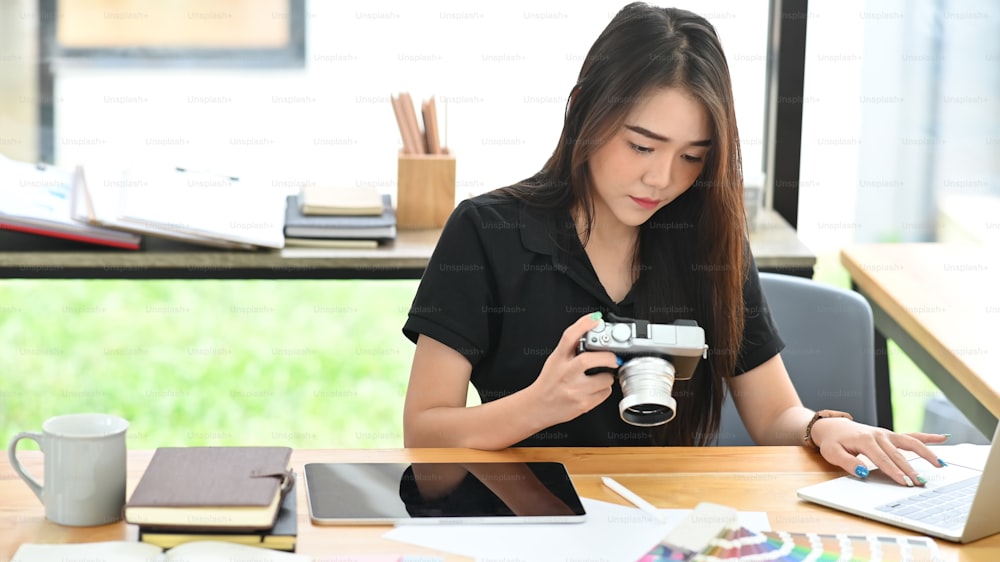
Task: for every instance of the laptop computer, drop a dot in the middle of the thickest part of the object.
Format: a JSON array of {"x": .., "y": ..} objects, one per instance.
[{"x": 958, "y": 503}]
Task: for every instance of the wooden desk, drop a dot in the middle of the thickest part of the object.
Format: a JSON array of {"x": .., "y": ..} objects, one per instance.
[
  {"x": 940, "y": 303},
  {"x": 747, "y": 478},
  {"x": 774, "y": 243}
]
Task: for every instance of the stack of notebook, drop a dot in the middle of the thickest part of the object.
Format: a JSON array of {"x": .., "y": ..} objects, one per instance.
[
  {"x": 338, "y": 217},
  {"x": 243, "y": 495}
]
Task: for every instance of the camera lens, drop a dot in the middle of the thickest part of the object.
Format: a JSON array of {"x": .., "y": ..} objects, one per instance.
[{"x": 646, "y": 385}]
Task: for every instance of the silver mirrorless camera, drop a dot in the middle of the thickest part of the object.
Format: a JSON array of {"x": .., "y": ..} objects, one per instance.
[{"x": 653, "y": 356}]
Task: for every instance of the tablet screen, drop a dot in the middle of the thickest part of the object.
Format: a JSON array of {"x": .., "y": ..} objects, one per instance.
[{"x": 372, "y": 493}]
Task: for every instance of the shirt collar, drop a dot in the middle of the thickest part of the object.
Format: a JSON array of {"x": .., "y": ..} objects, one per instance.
[
  {"x": 539, "y": 227},
  {"x": 552, "y": 232}
]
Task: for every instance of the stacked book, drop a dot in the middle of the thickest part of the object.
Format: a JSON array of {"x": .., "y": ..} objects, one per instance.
[
  {"x": 243, "y": 495},
  {"x": 332, "y": 217}
]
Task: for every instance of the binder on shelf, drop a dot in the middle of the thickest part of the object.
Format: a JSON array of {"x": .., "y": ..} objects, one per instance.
[
  {"x": 38, "y": 199},
  {"x": 192, "y": 206},
  {"x": 97, "y": 200}
]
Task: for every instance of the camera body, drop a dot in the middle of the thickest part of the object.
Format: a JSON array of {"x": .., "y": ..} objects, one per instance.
[{"x": 653, "y": 356}]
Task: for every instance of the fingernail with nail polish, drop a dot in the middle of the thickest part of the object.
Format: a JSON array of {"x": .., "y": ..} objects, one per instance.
[
  {"x": 908, "y": 481},
  {"x": 942, "y": 463},
  {"x": 596, "y": 316},
  {"x": 921, "y": 479},
  {"x": 861, "y": 471}
]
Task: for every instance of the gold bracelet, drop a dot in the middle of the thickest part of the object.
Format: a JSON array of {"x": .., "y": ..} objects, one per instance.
[{"x": 807, "y": 439}]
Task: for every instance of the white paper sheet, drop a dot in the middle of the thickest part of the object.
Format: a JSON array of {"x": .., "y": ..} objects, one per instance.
[
  {"x": 963, "y": 454},
  {"x": 611, "y": 533}
]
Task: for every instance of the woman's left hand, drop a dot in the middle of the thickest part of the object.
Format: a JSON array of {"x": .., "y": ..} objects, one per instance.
[{"x": 841, "y": 440}]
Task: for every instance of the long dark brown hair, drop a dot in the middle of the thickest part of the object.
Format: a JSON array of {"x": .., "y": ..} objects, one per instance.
[{"x": 689, "y": 262}]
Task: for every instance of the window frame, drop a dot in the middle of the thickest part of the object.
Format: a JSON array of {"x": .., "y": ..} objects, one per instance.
[{"x": 290, "y": 55}]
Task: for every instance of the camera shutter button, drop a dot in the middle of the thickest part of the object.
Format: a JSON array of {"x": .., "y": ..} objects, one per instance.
[{"x": 621, "y": 332}]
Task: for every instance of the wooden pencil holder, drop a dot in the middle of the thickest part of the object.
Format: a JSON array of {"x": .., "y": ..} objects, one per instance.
[{"x": 425, "y": 195}]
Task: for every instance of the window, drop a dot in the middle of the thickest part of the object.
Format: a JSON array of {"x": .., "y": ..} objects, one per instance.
[{"x": 501, "y": 74}]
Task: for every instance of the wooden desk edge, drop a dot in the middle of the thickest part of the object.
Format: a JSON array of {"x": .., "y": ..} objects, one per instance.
[{"x": 718, "y": 471}]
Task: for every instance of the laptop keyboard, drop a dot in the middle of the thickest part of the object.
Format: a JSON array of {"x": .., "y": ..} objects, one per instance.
[{"x": 947, "y": 506}]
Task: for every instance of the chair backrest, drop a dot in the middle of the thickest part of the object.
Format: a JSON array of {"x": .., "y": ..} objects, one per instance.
[{"x": 829, "y": 350}]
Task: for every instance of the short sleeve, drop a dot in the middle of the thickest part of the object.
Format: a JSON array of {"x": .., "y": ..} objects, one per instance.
[
  {"x": 456, "y": 289},
  {"x": 761, "y": 340}
]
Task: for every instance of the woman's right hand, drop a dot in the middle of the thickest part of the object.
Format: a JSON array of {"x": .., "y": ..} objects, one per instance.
[
  {"x": 436, "y": 415},
  {"x": 562, "y": 389}
]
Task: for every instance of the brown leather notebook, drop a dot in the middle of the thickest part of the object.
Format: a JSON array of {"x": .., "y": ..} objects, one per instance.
[{"x": 211, "y": 488}]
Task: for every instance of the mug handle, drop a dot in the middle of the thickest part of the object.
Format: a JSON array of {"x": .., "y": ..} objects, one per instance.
[{"x": 12, "y": 455}]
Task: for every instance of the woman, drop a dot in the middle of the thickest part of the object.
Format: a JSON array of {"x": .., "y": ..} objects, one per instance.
[{"x": 639, "y": 213}]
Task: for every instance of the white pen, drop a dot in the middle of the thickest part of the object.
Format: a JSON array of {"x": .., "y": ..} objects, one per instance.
[{"x": 634, "y": 499}]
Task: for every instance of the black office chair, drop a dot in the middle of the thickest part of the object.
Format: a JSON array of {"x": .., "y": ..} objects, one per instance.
[{"x": 829, "y": 350}]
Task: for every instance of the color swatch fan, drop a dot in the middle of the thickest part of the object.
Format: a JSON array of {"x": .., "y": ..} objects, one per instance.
[{"x": 687, "y": 543}]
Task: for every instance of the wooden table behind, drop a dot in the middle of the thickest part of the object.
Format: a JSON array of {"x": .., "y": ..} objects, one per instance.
[
  {"x": 941, "y": 304},
  {"x": 747, "y": 478},
  {"x": 774, "y": 243}
]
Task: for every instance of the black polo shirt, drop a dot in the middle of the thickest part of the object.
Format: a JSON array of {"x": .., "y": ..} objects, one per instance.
[{"x": 504, "y": 283}]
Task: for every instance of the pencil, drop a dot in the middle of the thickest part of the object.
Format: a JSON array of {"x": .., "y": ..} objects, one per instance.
[
  {"x": 397, "y": 110},
  {"x": 431, "y": 127},
  {"x": 411, "y": 123},
  {"x": 445, "y": 145},
  {"x": 633, "y": 498},
  {"x": 427, "y": 127}
]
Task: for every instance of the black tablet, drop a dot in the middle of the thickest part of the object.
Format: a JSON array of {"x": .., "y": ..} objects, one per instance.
[{"x": 493, "y": 492}]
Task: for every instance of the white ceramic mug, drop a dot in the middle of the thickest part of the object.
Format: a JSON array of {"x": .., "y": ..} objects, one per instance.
[{"x": 85, "y": 468}]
